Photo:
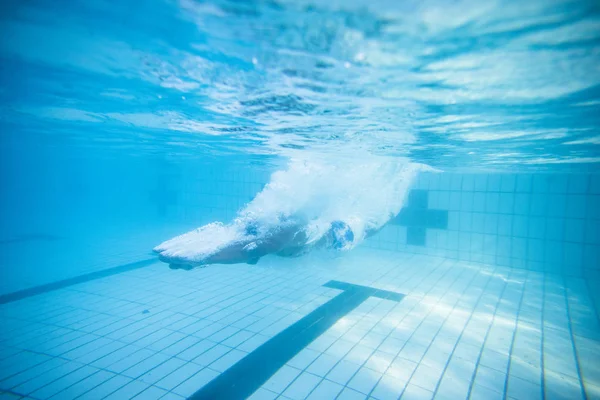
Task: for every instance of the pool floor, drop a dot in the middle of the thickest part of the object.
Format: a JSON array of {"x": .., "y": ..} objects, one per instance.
[{"x": 462, "y": 330}]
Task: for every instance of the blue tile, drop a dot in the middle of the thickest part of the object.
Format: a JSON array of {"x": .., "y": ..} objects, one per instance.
[
  {"x": 556, "y": 205},
  {"x": 541, "y": 183},
  {"x": 522, "y": 202},
  {"x": 506, "y": 203},
  {"x": 456, "y": 182},
  {"x": 524, "y": 183},
  {"x": 555, "y": 229},
  {"x": 518, "y": 248},
  {"x": 504, "y": 243},
  {"x": 536, "y": 227},
  {"x": 454, "y": 201},
  {"x": 491, "y": 223},
  {"x": 520, "y": 226},
  {"x": 535, "y": 250},
  {"x": 538, "y": 204},
  {"x": 466, "y": 201},
  {"x": 593, "y": 207},
  {"x": 108, "y": 387},
  {"x": 594, "y": 184},
  {"x": 465, "y": 222},
  {"x": 558, "y": 183},
  {"x": 554, "y": 253},
  {"x": 578, "y": 183},
  {"x": 574, "y": 230},
  {"x": 468, "y": 183},
  {"x": 573, "y": 256},
  {"x": 576, "y": 206},
  {"x": 505, "y": 225},
  {"x": 591, "y": 257},
  {"x": 520, "y": 389},
  {"x": 479, "y": 202},
  {"x": 492, "y": 203},
  {"x": 592, "y": 231},
  {"x": 480, "y": 183},
  {"x": 508, "y": 183},
  {"x": 494, "y": 183}
]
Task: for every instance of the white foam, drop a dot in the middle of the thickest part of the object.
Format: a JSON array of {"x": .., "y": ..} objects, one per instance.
[{"x": 364, "y": 193}]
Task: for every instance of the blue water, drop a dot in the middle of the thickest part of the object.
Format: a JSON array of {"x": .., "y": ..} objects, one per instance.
[
  {"x": 124, "y": 124},
  {"x": 110, "y": 110}
]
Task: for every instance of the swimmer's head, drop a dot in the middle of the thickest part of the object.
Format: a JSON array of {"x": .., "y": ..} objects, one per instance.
[{"x": 341, "y": 235}]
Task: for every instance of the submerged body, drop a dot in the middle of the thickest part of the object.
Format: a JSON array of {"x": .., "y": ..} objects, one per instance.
[
  {"x": 286, "y": 240},
  {"x": 312, "y": 204}
]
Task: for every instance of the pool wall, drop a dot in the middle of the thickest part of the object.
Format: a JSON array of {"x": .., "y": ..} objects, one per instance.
[
  {"x": 70, "y": 213},
  {"x": 539, "y": 222}
]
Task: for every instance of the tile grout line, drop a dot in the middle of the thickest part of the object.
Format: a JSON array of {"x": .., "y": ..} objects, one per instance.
[
  {"x": 572, "y": 336},
  {"x": 514, "y": 335},
  {"x": 489, "y": 328}
]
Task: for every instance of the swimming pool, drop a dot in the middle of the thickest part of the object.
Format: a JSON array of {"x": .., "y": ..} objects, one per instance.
[{"x": 454, "y": 144}]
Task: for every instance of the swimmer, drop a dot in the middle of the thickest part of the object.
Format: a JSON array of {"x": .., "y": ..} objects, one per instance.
[
  {"x": 313, "y": 204},
  {"x": 244, "y": 243}
]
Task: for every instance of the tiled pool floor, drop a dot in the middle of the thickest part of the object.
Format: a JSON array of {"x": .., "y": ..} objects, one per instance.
[{"x": 461, "y": 331}]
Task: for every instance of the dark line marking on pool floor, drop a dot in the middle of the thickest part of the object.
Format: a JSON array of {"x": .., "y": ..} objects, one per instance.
[
  {"x": 21, "y": 294},
  {"x": 251, "y": 372}
]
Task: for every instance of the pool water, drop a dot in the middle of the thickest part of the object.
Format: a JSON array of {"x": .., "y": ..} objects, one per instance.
[{"x": 465, "y": 132}]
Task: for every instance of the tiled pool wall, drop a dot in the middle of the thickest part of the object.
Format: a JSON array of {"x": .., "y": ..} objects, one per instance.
[
  {"x": 540, "y": 222},
  {"x": 72, "y": 215},
  {"x": 215, "y": 193},
  {"x": 547, "y": 223}
]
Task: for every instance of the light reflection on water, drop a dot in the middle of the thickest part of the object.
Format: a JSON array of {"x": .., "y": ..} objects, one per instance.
[{"x": 463, "y": 84}]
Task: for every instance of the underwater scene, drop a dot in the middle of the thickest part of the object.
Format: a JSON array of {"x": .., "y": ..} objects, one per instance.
[{"x": 300, "y": 199}]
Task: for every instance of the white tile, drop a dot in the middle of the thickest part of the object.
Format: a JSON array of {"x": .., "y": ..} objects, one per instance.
[
  {"x": 426, "y": 377},
  {"x": 520, "y": 389},
  {"x": 325, "y": 390},
  {"x": 364, "y": 380},
  {"x": 228, "y": 360},
  {"x": 483, "y": 393},
  {"x": 281, "y": 379},
  {"x": 413, "y": 392},
  {"x": 302, "y": 386},
  {"x": 342, "y": 372},
  {"x": 323, "y": 364},
  {"x": 304, "y": 358},
  {"x": 490, "y": 378},
  {"x": 180, "y": 375},
  {"x": 349, "y": 394},
  {"x": 195, "y": 382},
  {"x": 263, "y": 394}
]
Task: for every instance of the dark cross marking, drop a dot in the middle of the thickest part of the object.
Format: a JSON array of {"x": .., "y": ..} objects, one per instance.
[
  {"x": 251, "y": 372},
  {"x": 417, "y": 218}
]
